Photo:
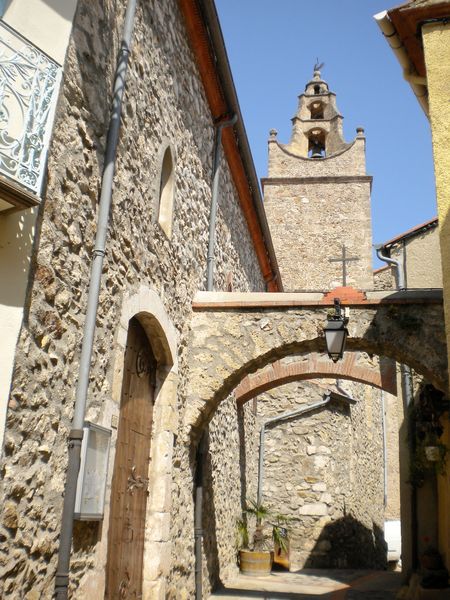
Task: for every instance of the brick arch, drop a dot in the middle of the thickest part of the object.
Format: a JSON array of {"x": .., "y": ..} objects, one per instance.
[
  {"x": 314, "y": 366},
  {"x": 234, "y": 335}
]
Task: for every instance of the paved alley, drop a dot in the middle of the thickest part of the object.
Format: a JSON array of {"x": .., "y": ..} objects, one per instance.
[{"x": 311, "y": 584}]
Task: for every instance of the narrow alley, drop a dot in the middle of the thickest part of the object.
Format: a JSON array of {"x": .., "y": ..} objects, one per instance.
[{"x": 312, "y": 584}]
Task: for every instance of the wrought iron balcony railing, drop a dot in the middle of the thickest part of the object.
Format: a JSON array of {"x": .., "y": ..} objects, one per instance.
[{"x": 29, "y": 84}]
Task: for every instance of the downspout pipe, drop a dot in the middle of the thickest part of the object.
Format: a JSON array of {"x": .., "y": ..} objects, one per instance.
[
  {"x": 214, "y": 201},
  {"x": 271, "y": 421},
  {"x": 200, "y": 458},
  {"x": 344, "y": 392},
  {"x": 406, "y": 379},
  {"x": 209, "y": 9},
  {"x": 417, "y": 83},
  {"x": 198, "y": 518},
  {"x": 399, "y": 270},
  {"x": 408, "y": 399},
  {"x": 383, "y": 422},
  {"x": 76, "y": 432}
]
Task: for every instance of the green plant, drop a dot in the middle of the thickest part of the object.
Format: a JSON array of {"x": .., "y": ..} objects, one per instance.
[
  {"x": 266, "y": 521},
  {"x": 243, "y": 538},
  {"x": 280, "y": 530},
  {"x": 426, "y": 415}
]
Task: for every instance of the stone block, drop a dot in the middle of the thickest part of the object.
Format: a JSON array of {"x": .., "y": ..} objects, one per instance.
[
  {"x": 10, "y": 518},
  {"x": 316, "y": 509},
  {"x": 154, "y": 590},
  {"x": 319, "y": 487}
]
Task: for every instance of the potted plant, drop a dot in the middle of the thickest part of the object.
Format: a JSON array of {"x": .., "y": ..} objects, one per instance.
[
  {"x": 257, "y": 558},
  {"x": 429, "y": 452}
]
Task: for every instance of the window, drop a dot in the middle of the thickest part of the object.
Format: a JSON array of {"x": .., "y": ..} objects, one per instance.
[
  {"x": 166, "y": 193},
  {"x": 229, "y": 282}
]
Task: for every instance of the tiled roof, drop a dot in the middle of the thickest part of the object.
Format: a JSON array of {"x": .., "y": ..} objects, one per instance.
[{"x": 418, "y": 229}]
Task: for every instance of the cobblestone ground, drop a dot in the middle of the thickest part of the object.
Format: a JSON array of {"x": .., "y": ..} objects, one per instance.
[{"x": 314, "y": 584}]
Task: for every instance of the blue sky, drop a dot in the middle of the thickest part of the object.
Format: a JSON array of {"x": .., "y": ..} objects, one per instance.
[{"x": 272, "y": 46}]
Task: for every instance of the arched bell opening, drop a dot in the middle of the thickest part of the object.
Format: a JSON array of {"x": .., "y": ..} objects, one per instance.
[
  {"x": 316, "y": 110},
  {"x": 316, "y": 143}
]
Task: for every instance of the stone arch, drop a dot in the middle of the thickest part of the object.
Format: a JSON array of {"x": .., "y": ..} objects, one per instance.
[
  {"x": 315, "y": 366},
  {"x": 230, "y": 344},
  {"x": 148, "y": 308}
]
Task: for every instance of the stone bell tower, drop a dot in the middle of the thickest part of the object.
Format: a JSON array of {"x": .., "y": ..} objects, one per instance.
[{"x": 317, "y": 198}]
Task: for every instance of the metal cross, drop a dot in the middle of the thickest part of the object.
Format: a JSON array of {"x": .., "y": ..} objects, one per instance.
[{"x": 344, "y": 260}]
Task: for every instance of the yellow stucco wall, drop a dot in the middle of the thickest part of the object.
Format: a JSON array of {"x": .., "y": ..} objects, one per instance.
[
  {"x": 423, "y": 259},
  {"x": 436, "y": 41}
]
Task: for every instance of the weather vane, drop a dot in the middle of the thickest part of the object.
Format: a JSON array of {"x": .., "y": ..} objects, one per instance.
[{"x": 318, "y": 66}]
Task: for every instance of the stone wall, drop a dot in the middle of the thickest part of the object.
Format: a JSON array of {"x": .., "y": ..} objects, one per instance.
[
  {"x": 383, "y": 279},
  {"x": 325, "y": 470},
  {"x": 284, "y": 162},
  {"x": 164, "y": 102},
  {"x": 309, "y": 223},
  {"x": 394, "y": 420},
  {"x": 230, "y": 479}
]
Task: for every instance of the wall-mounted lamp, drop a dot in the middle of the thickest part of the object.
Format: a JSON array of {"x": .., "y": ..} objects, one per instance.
[{"x": 336, "y": 332}]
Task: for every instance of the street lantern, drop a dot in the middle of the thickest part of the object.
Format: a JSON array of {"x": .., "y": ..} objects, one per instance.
[{"x": 336, "y": 332}]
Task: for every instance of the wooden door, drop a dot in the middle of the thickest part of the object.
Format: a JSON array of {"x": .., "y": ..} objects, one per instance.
[{"x": 129, "y": 485}]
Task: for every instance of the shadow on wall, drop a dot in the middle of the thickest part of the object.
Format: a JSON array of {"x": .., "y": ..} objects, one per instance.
[
  {"x": 224, "y": 499},
  {"x": 209, "y": 521},
  {"x": 347, "y": 543},
  {"x": 242, "y": 458}
]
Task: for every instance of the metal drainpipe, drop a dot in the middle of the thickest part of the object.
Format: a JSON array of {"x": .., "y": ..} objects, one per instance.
[
  {"x": 76, "y": 433},
  {"x": 341, "y": 390},
  {"x": 295, "y": 413},
  {"x": 400, "y": 270},
  {"x": 200, "y": 457},
  {"x": 198, "y": 520},
  {"x": 214, "y": 201},
  {"x": 383, "y": 421},
  {"x": 417, "y": 83},
  {"x": 406, "y": 378},
  {"x": 407, "y": 387}
]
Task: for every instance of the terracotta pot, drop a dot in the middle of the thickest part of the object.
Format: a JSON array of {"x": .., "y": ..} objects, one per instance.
[
  {"x": 281, "y": 557},
  {"x": 255, "y": 563}
]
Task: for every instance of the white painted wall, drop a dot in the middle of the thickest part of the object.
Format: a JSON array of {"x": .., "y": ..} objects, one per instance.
[
  {"x": 45, "y": 23},
  {"x": 16, "y": 242}
]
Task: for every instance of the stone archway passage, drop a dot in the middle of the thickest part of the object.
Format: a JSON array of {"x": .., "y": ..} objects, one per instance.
[
  {"x": 381, "y": 374},
  {"x": 236, "y": 334}
]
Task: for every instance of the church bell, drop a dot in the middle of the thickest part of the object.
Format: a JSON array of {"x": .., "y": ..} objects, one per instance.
[{"x": 316, "y": 149}]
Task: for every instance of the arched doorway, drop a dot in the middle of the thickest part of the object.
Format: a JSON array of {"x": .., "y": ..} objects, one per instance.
[{"x": 130, "y": 483}]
